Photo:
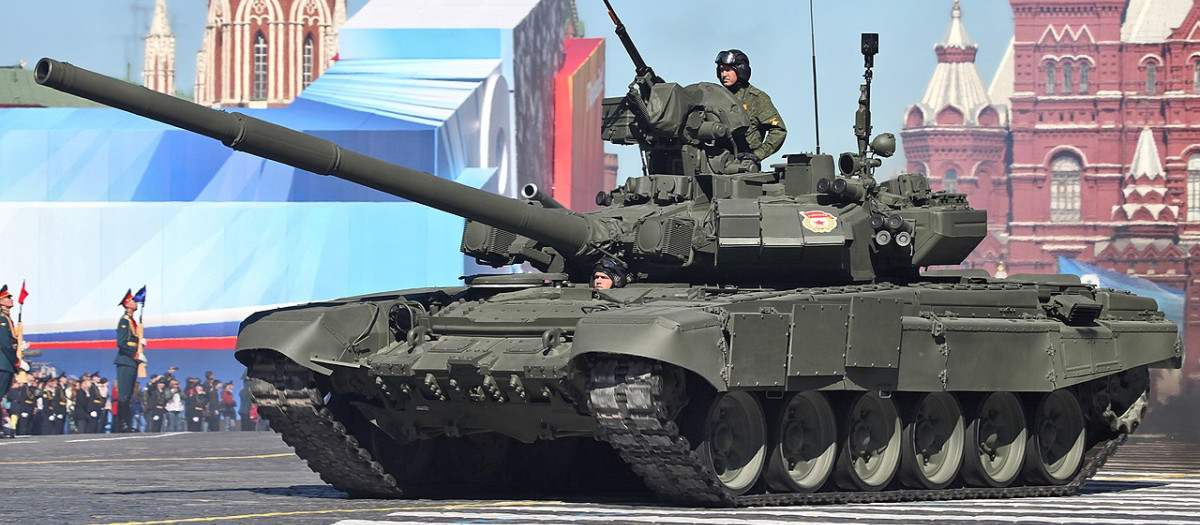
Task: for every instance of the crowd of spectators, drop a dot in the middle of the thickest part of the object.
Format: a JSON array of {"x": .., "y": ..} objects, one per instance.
[{"x": 53, "y": 403}]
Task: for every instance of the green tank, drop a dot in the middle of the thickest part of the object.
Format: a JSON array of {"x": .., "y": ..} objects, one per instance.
[{"x": 778, "y": 342}]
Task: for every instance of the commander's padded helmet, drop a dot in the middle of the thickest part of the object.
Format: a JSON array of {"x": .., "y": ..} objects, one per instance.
[
  {"x": 736, "y": 59},
  {"x": 614, "y": 269}
]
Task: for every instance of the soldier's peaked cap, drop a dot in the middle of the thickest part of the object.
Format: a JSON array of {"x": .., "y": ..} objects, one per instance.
[
  {"x": 4, "y": 292},
  {"x": 128, "y": 297}
]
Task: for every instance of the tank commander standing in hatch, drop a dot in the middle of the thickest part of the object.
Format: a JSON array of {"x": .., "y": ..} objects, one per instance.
[{"x": 767, "y": 131}]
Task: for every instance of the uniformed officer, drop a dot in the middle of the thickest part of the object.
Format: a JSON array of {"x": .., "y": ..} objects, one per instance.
[
  {"x": 767, "y": 130},
  {"x": 128, "y": 345},
  {"x": 156, "y": 406},
  {"x": 83, "y": 403},
  {"x": 96, "y": 399},
  {"x": 8, "y": 342}
]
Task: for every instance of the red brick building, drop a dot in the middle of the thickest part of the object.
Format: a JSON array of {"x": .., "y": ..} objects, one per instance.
[
  {"x": 262, "y": 53},
  {"x": 1086, "y": 145}
]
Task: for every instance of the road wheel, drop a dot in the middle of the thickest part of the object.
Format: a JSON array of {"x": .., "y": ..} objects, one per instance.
[
  {"x": 804, "y": 444},
  {"x": 869, "y": 443},
  {"x": 932, "y": 442},
  {"x": 995, "y": 443},
  {"x": 1055, "y": 449},
  {"x": 734, "y": 445}
]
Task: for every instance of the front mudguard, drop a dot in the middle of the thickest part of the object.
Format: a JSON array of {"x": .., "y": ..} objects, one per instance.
[
  {"x": 312, "y": 332},
  {"x": 686, "y": 337}
]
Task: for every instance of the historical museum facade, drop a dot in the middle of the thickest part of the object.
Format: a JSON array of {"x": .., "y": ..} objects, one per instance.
[{"x": 1086, "y": 145}]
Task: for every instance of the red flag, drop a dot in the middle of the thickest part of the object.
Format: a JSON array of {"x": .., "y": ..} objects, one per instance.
[{"x": 21, "y": 297}]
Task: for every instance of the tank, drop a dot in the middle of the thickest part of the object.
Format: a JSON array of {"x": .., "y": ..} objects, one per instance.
[{"x": 781, "y": 340}]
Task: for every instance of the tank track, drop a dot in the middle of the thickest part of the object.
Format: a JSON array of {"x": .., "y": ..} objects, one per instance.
[
  {"x": 627, "y": 401},
  {"x": 286, "y": 397}
]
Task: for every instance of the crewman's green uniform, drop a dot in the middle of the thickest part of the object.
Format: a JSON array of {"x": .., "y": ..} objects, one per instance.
[{"x": 767, "y": 130}]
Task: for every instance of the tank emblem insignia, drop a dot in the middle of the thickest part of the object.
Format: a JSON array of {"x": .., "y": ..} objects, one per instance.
[{"x": 819, "y": 221}]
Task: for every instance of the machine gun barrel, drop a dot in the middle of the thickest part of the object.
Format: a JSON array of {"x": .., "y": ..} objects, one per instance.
[
  {"x": 567, "y": 233},
  {"x": 623, "y": 34}
]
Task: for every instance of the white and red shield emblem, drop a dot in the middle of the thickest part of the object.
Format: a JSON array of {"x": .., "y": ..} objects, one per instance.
[{"x": 818, "y": 221}]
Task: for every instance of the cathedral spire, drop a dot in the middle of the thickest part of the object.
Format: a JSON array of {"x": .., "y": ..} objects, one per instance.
[
  {"x": 956, "y": 85},
  {"x": 1145, "y": 191},
  {"x": 1146, "y": 163},
  {"x": 158, "y": 72},
  {"x": 161, "y": 25},
  {"x": 957, "y": 36}
]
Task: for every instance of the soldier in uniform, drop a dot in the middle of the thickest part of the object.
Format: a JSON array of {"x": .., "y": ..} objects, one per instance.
[
  {"x": 197, "y": 409},
  {"x": 156, "y": 406},
  {"x": 25, "y": 406},
  {"x": 128, "y": 344},
  {"x": 83, "y": 403},
  {"x": 96, "y": 399},
  {"x": 609, "y": 273},
  {"x": 767, "y": 130},
  {"x": 8, "y": 348}
]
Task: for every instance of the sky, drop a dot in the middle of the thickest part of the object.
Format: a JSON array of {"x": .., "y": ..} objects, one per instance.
[{"x": 678, "y": 38}]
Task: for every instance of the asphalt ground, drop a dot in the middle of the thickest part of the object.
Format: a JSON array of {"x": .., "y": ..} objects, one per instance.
[{"x": 254, "y": 478}]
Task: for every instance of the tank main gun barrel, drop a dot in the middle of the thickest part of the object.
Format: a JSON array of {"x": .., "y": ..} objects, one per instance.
[
  {"x": 565, "y": 232},
  {"x": 643, "y": 70}
]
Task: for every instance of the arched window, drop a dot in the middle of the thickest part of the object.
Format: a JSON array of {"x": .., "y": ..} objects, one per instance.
[
  {"x": 1065, "y": 171},
  {"x": 1151, "y": 77},
  {"x": 1196, "y": 75},
  {"x": 1085, "y": 70},
  {"x": 1049, "y": 78},
  {"x": 260, "y": 68},
  {"x": 308, "y": 61},
  {"x": 950, "y": 181},
  {"x": 1193, "y": 187},
  {"x": 1068, "y": 82}
]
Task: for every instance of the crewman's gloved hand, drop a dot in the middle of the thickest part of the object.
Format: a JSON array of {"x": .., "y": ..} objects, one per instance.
[
  {"x": 747, "y": 155},
  {"x": 92, "y": 413},
  {"x": 195, "y": 419}
]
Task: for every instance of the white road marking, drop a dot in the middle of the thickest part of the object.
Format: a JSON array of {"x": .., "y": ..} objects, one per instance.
[{"x": 146, "y": 436}]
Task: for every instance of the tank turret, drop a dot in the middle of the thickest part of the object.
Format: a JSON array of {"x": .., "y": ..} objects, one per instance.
[{"x": 697, "y": 215}]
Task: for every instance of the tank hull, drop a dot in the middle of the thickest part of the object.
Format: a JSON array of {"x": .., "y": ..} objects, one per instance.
[{"x": 496, "y": 371}]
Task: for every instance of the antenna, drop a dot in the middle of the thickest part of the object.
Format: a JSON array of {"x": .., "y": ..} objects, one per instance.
[{"x": 812, "y": 33}]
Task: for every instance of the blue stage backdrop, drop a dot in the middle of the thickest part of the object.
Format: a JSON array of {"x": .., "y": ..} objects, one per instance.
[
  {"x": 94, "y": 201},
  {"x": 1170, "y": 300}
]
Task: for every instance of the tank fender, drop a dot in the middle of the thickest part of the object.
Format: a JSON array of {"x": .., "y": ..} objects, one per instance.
[
  {"x": 307, "y": 332},
  {"x": 686, "y": 337}
]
